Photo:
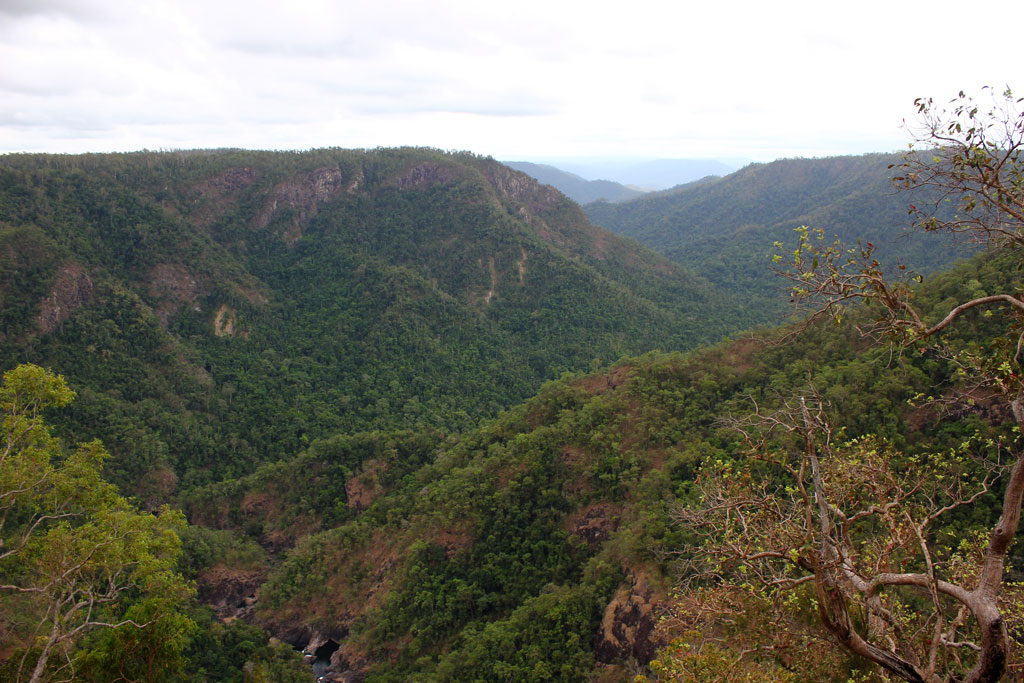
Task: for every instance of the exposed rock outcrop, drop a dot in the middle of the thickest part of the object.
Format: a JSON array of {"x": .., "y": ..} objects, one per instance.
[
  {"x": 627, "y": 629},
  {"x": 361, "y": 489},
  {"x": 536, "y": 204},
  {"x": 234, "y": 179},
  {"x": 517, "y": 187},
  {"x": 224, "y": 322},
  {"x": 218, "y": 194},
  {"x": 72, "y": 290},
  {"x": 324, "y": 647},
  {"x": 427, "y": 174},
  {"x": 231, "y": 592},
  {"x": 303, "y": 194}
]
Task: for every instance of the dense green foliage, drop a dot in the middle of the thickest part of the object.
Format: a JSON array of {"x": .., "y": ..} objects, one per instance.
[
  {"x": 76, "y": 557},
  {"x": 191, "y": 295},
  {"x": 325, "y": 359},
  {"x": 447, "y": 561}
]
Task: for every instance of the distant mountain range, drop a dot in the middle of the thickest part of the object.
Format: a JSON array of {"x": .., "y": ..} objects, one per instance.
[
  {"x": 650, "y": 174},
  {"x": 575, "y": 187},
  {"x": 613, "y": 180}
]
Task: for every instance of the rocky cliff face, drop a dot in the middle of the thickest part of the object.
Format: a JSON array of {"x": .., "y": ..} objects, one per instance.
[{"x": 213, "y": 198}]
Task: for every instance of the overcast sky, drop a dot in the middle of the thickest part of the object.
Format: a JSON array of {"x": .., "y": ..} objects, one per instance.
[{"x": 522, "y": 79}]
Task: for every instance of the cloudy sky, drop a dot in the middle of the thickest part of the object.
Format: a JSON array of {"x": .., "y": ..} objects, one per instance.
[{"x": 522, "y": 79}]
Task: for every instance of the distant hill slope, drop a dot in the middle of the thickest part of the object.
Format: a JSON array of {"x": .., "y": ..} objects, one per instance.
[
  {"x": 652, "y": 174},
  {"x": 575, "y": 187},
  {"x": 220, "y": 309},
  {"x": 724, "y": 228}
]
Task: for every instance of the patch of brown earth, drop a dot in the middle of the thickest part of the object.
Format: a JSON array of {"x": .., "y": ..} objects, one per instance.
[
  {"x": 453, "y": 540},
  {"x": 493, "y": 272},
  {"x": 575, "y": 457},
  {"x": 266, "y": 506},
  {"x": 610, "y": 673},
  {"x": 595, "y": 523},
  {"x": 277, "y": 541},
  {"x": 259, "y": 503},
  {"x": 232, "y": 180},
  {"x": 604, "y": 383},
  {"x": 360, "y": 582},
  {"x": 171, "y": 285},
  {"x": 576, "y": 460},
  {"x": 376, "y": 561},
  {"x": 224, "y": 322},
  {"x": 506, "y": 473},
  {"x": 72, "y": 290},
  {"x": 363, "y": 488},
  {"x": 355, "y": 182},
  {"x": 217, "y": 195}
]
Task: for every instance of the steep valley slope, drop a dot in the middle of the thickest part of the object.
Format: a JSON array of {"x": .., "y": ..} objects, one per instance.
[{"x": 540, "y": 545}]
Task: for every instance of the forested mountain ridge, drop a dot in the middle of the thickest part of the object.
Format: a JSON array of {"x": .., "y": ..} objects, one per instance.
[
  {"x": 197, "y": 292},
  {"x": 724, "y": 228}
]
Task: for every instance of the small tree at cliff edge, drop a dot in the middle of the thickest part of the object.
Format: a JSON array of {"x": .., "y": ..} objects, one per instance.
[{"x": 857, "y": 520}]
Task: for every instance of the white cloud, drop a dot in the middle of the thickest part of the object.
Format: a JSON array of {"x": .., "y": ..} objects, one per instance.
[{"x": 531, "y": 78}]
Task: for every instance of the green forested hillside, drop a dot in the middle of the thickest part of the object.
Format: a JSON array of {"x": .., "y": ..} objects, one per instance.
[
  {"x": 724, "y": 228},
  {"x": 538, "y": 546},
  {"x": 190, "y": 296},
  {"x": 334, "y": 363}
]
